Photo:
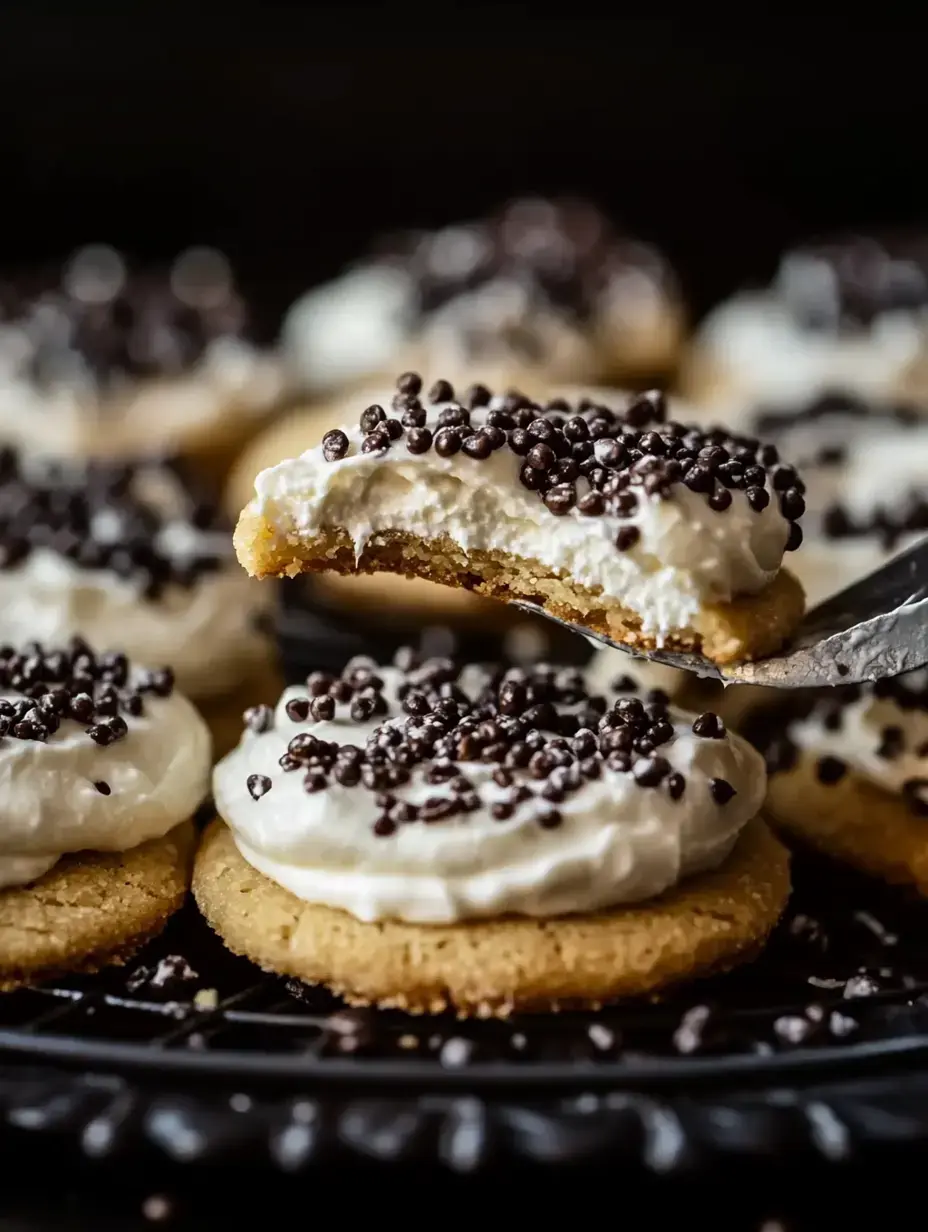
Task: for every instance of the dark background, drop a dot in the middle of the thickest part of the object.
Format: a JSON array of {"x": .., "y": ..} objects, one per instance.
[{"x": 288, "y": 136}]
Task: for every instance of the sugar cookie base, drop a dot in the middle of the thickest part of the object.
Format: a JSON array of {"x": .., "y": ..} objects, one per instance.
[
  {"x": 92, "y": 910},
  {"x": 491, "y": 968}
]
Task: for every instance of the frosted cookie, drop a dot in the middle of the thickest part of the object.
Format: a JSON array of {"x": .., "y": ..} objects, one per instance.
[
  {"x": 851, "y": 778},
  {"x": 390, "y": 598},
  {"x": 850, "y": 314},
  {"x": 865, "y": 468},
  {"x": 427, "y": 837},
  {"x": 99, "y": 359},
  {"x": 542, "y": 292},
  {"x": 864, "y": 463},
  {"x": 102, "y": 766},
  {"x": 127, "y": 554},
  {"x": 647, "y": 531}
]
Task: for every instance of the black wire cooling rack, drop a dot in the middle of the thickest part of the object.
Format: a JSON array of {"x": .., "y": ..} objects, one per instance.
[{"x": 817, "y": 1047}]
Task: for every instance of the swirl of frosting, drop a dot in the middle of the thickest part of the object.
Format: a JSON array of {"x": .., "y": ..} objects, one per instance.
[
  {"x": 94, "y": 755},
  {"x": 663, "y": 518},
  {"x": 434, "y": 795},
  {"x": 128, "y": 555}
]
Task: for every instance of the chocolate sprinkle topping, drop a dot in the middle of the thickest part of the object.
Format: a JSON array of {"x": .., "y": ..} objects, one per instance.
[
  {"x": 835, "y": 416},
  {"x": 258, "y": 785},
  {"x": 562, "y": 255},
  {"x": 536, "y": 724},
  {"x": 97, "y": 319},
  {"x": 830, "y": 770},
  {"x": 110, "y": 516},
  {"x": 73, "y": 685},
  {"x": 600, "y": 461},
  {"x": 722, "y": 790},
  {"x": 844, "y": 285}
]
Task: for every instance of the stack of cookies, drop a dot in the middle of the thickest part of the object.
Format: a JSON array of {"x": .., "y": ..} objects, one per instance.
[{"x": 417, "y": 829}]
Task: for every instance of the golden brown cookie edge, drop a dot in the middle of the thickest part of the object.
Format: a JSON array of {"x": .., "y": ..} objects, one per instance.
[
  {"x": 749, "y": 627},
  {"x": 853, "y": 822},
  {"x": 92, "y": 909},
  {"x": 490, "y": 968}
]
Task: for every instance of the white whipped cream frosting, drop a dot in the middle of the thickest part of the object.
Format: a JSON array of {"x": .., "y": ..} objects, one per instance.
[
  {"x": 686, "y": 556},
  {"x": 763, "y": 355},
  {"x": 157, "y": 776},
  {"x": 233, "y": 382},
  {"x": 365, "y": 323},
  {"x": 618, "y": 842},
  {"x": 883, "y": 465},
  {"x": 207, "y": 630},
  {"x": 859, "y": 736}
]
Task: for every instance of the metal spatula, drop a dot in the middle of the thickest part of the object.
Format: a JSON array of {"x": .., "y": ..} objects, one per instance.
[{"x": 876, "y": 628}]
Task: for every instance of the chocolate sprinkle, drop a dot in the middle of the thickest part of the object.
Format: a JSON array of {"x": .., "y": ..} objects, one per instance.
[
  {"x": 334, "y": 445},
  {"x": 722, "y": 791},
  {"x": 73, "y": 684},
  {"x": 536, "y": 724},
  {"x": 598, "y": 461},
  {"x": 258, "y": 785},
  {"x": 830, "y": 770},
  {"x": 709, "y": 726},
  {"x": 104, "y": 516},
  {"x": 135, "y": 324}
]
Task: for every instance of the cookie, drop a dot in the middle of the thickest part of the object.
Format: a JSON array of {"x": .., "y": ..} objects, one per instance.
[
  {"x": 583, "y": 509},
  {"x": 115, "y": 361},
  {"x": 539, "y": 294},
  {"x": 849, "y": 313},
  {"x": 128, "y": 554},
  {"x": 850, "y": 777},
  {"x": 102, "y": 766},
  {"x": 708, "y": 924},
  {"x": 92, "y": 910},
  {"x": 487, "y": 825},
  {"x": 864, "y": 464}
]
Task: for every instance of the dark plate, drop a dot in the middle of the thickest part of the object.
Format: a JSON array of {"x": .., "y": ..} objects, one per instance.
[{"x": 818, "y": 1048}]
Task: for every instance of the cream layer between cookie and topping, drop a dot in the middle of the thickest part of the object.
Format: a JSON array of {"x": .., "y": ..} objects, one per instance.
[
  {"x": 685, "y": 555},
  {"x": 616, "y": 836},
  {"x": 63, "y": 791}
]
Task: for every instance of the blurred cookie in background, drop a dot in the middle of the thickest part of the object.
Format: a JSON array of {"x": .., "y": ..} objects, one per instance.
[
  {"x": 101, "y": 359},
  {"x": 849, "y": 314},
  {"x": 132, "y": 555},
  {"x": 864, "y": 467},
  {"x": 541, "y": 292}
]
